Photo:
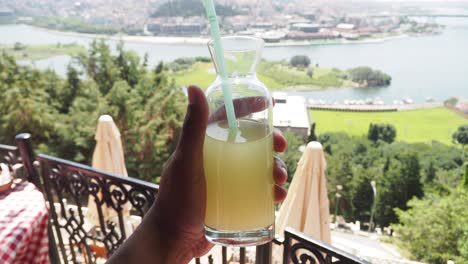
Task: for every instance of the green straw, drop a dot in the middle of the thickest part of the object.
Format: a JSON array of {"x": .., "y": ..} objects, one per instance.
[{"x": 218, "y": 50}]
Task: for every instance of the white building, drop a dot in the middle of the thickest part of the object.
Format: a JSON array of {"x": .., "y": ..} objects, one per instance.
[
  {"x": 290, "y": 114},
  {"x": 345, "y": 26}
]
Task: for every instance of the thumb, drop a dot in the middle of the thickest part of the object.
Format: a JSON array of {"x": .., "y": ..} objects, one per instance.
[{"x": 196, "y": 119}]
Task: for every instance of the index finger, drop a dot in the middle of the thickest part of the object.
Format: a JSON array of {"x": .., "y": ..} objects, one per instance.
[
  {"x": 242, "y": 107},
  {"x": 279, "y": 142}
]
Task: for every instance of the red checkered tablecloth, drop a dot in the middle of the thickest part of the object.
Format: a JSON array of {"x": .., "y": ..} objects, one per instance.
[{"x": 23, "y": 225}]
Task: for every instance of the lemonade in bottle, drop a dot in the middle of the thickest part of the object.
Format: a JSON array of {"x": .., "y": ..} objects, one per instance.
[{"x": 239, "y": 164}]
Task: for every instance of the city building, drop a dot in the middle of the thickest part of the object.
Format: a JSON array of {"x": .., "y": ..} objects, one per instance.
[
  {"x": 306, "y": 27},
  {"x": 181, "y": 29},
  {"x": 309, "y": 15},
  {"x": 345, "y": 26},
  {"x": 176, "y": 25},
  {"x": 299, "y": 35}
]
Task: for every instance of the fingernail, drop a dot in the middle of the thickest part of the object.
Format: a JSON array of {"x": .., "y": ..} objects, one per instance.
[{"x": 192, "y": 97}]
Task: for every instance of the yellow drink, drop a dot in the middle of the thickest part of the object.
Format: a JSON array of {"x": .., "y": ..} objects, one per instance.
[{"x": 239, "y": 177}]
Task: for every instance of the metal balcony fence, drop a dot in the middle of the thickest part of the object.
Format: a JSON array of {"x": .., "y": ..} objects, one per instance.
[{"x": 68, "y": 187}]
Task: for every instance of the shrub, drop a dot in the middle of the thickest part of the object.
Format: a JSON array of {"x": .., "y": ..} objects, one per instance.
[{"x": 300, "y": 61}]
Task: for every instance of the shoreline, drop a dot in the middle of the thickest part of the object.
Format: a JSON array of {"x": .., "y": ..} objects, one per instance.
[{"x": 204, "y": 40}]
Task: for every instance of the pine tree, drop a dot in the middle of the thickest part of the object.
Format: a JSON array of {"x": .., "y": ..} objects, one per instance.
[
  {"x": 312, "y": 135},
  {"x": 431, "y": 172},
  {"x": 128, "y": 64},
  {"x": 71, "y": 88},
  {"x": 344, "y": 175},
  {"x": 386, "y": 165},
  {"x": 100, "y": 65},
  {"x": 373, "y": 133},
  {"x": 362, "y": 195},
  {"x": 461, "y": 137},
  {"x": 411, "y": 170},
  {"x": 386, "y": 132},
  {"x": 465, "y": 178},
  {"x": 159, "y": 77},
  {"x": 400, "y": 183}
]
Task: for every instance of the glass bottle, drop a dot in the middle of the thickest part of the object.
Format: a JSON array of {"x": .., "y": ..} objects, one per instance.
[{"x": 239, "y": 164}]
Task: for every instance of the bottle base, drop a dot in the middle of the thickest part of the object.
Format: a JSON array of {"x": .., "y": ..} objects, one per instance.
[{"x": 240, "y": 238}]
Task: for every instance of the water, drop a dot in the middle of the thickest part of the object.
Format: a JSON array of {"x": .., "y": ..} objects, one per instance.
[{"x": 429, "y": 66}]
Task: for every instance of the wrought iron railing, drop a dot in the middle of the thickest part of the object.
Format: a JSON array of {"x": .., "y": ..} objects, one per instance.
[
  {"x": 68, "y": 186},
  {"x": 9, "y": 155},
  {"x": 23, "y": 155},
  {"x": 300, "y": 248}
]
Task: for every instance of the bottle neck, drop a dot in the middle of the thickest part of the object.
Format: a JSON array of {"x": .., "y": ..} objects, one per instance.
[
  {"x": 239, "y": 64},
  {"x": 241, "y": 75},
  {"x": 240, "y": 56}
]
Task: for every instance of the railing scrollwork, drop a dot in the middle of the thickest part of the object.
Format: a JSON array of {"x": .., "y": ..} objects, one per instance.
[
  {"x": 69, "y": 185},
  {"x": 303, "y": 249}
]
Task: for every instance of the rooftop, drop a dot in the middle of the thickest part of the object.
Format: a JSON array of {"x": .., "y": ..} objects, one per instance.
[{"x": 290, "y": 111}]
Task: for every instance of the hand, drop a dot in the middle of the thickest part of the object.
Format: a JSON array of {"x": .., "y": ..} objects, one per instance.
[{"x": 173, "y": 230}]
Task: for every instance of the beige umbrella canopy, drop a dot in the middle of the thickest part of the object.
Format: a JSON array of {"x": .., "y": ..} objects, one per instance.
[
  {"x": 108, "y": 156},
  {"x": 306, "y": 207}
]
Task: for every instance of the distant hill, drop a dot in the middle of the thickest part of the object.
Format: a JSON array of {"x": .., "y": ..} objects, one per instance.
[{"x": 187, "y": 8}]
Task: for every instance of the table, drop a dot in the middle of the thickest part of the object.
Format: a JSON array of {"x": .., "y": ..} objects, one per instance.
[{"x": 23, "y": 225}]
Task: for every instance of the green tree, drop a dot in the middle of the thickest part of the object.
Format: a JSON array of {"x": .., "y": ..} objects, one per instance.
[
  {"x": 461, "y": 136},
  {"x": 387, "y": 132},
  {"x": 18, "y": 46},
  {"x": 26, "y": 105},
  {"x": 384, "y": 132},
  {"x": 310, "y": 72},
  {"x": 154, "y": 130},
  {"x": 435, "y": 229},
  {"x": 128, "y": 63},
  {"x": 62, "y": 114},
  {"x": 160, "y": 77},
  {"x": 401, "y": 183},
  {"x": 465, "y": 178},
  {"x": 343, "y": 176},
  {"x": 71, "y": 88},
  {"x": 100, "y": 65},
  {"x": 300, "y": 61},
  {"x": 362, "y": 195},
  {"x": 118, "y": 107},
  {"x": 75, "y": 131},
  {"x": 369, "y": 77},
  {"x": 386, "y": 166},
  {"x": 312, "y": 135},
  {"x": 373, "y": 132},
  {"x": 430, "y": 173},
  {"x": 390, "y": 196},
  {"x": 411, "y": 170}
]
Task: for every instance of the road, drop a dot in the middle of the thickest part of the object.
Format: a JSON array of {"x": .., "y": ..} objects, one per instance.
[{"x": 367, "y": 247}]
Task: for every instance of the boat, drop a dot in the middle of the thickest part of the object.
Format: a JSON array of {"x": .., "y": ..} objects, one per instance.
[{"x": 407, "y": 100}]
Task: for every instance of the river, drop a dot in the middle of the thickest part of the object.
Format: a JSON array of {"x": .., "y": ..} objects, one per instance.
[{"x": 428, "y": 66}]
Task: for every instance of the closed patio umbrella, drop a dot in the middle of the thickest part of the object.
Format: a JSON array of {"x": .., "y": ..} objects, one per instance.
[
  {"x": 306, "y": 207},
  {"x": 108, "y": 156}
]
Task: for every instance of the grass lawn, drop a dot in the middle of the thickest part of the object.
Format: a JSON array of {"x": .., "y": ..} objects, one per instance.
[
  {"x": 203, "y": 74},
  {"x": 274, "y": 75},
  {"x": 286, "y": 75},
  {"x": 412, "y": 126},
  {"x": 42, "y": 51}
]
